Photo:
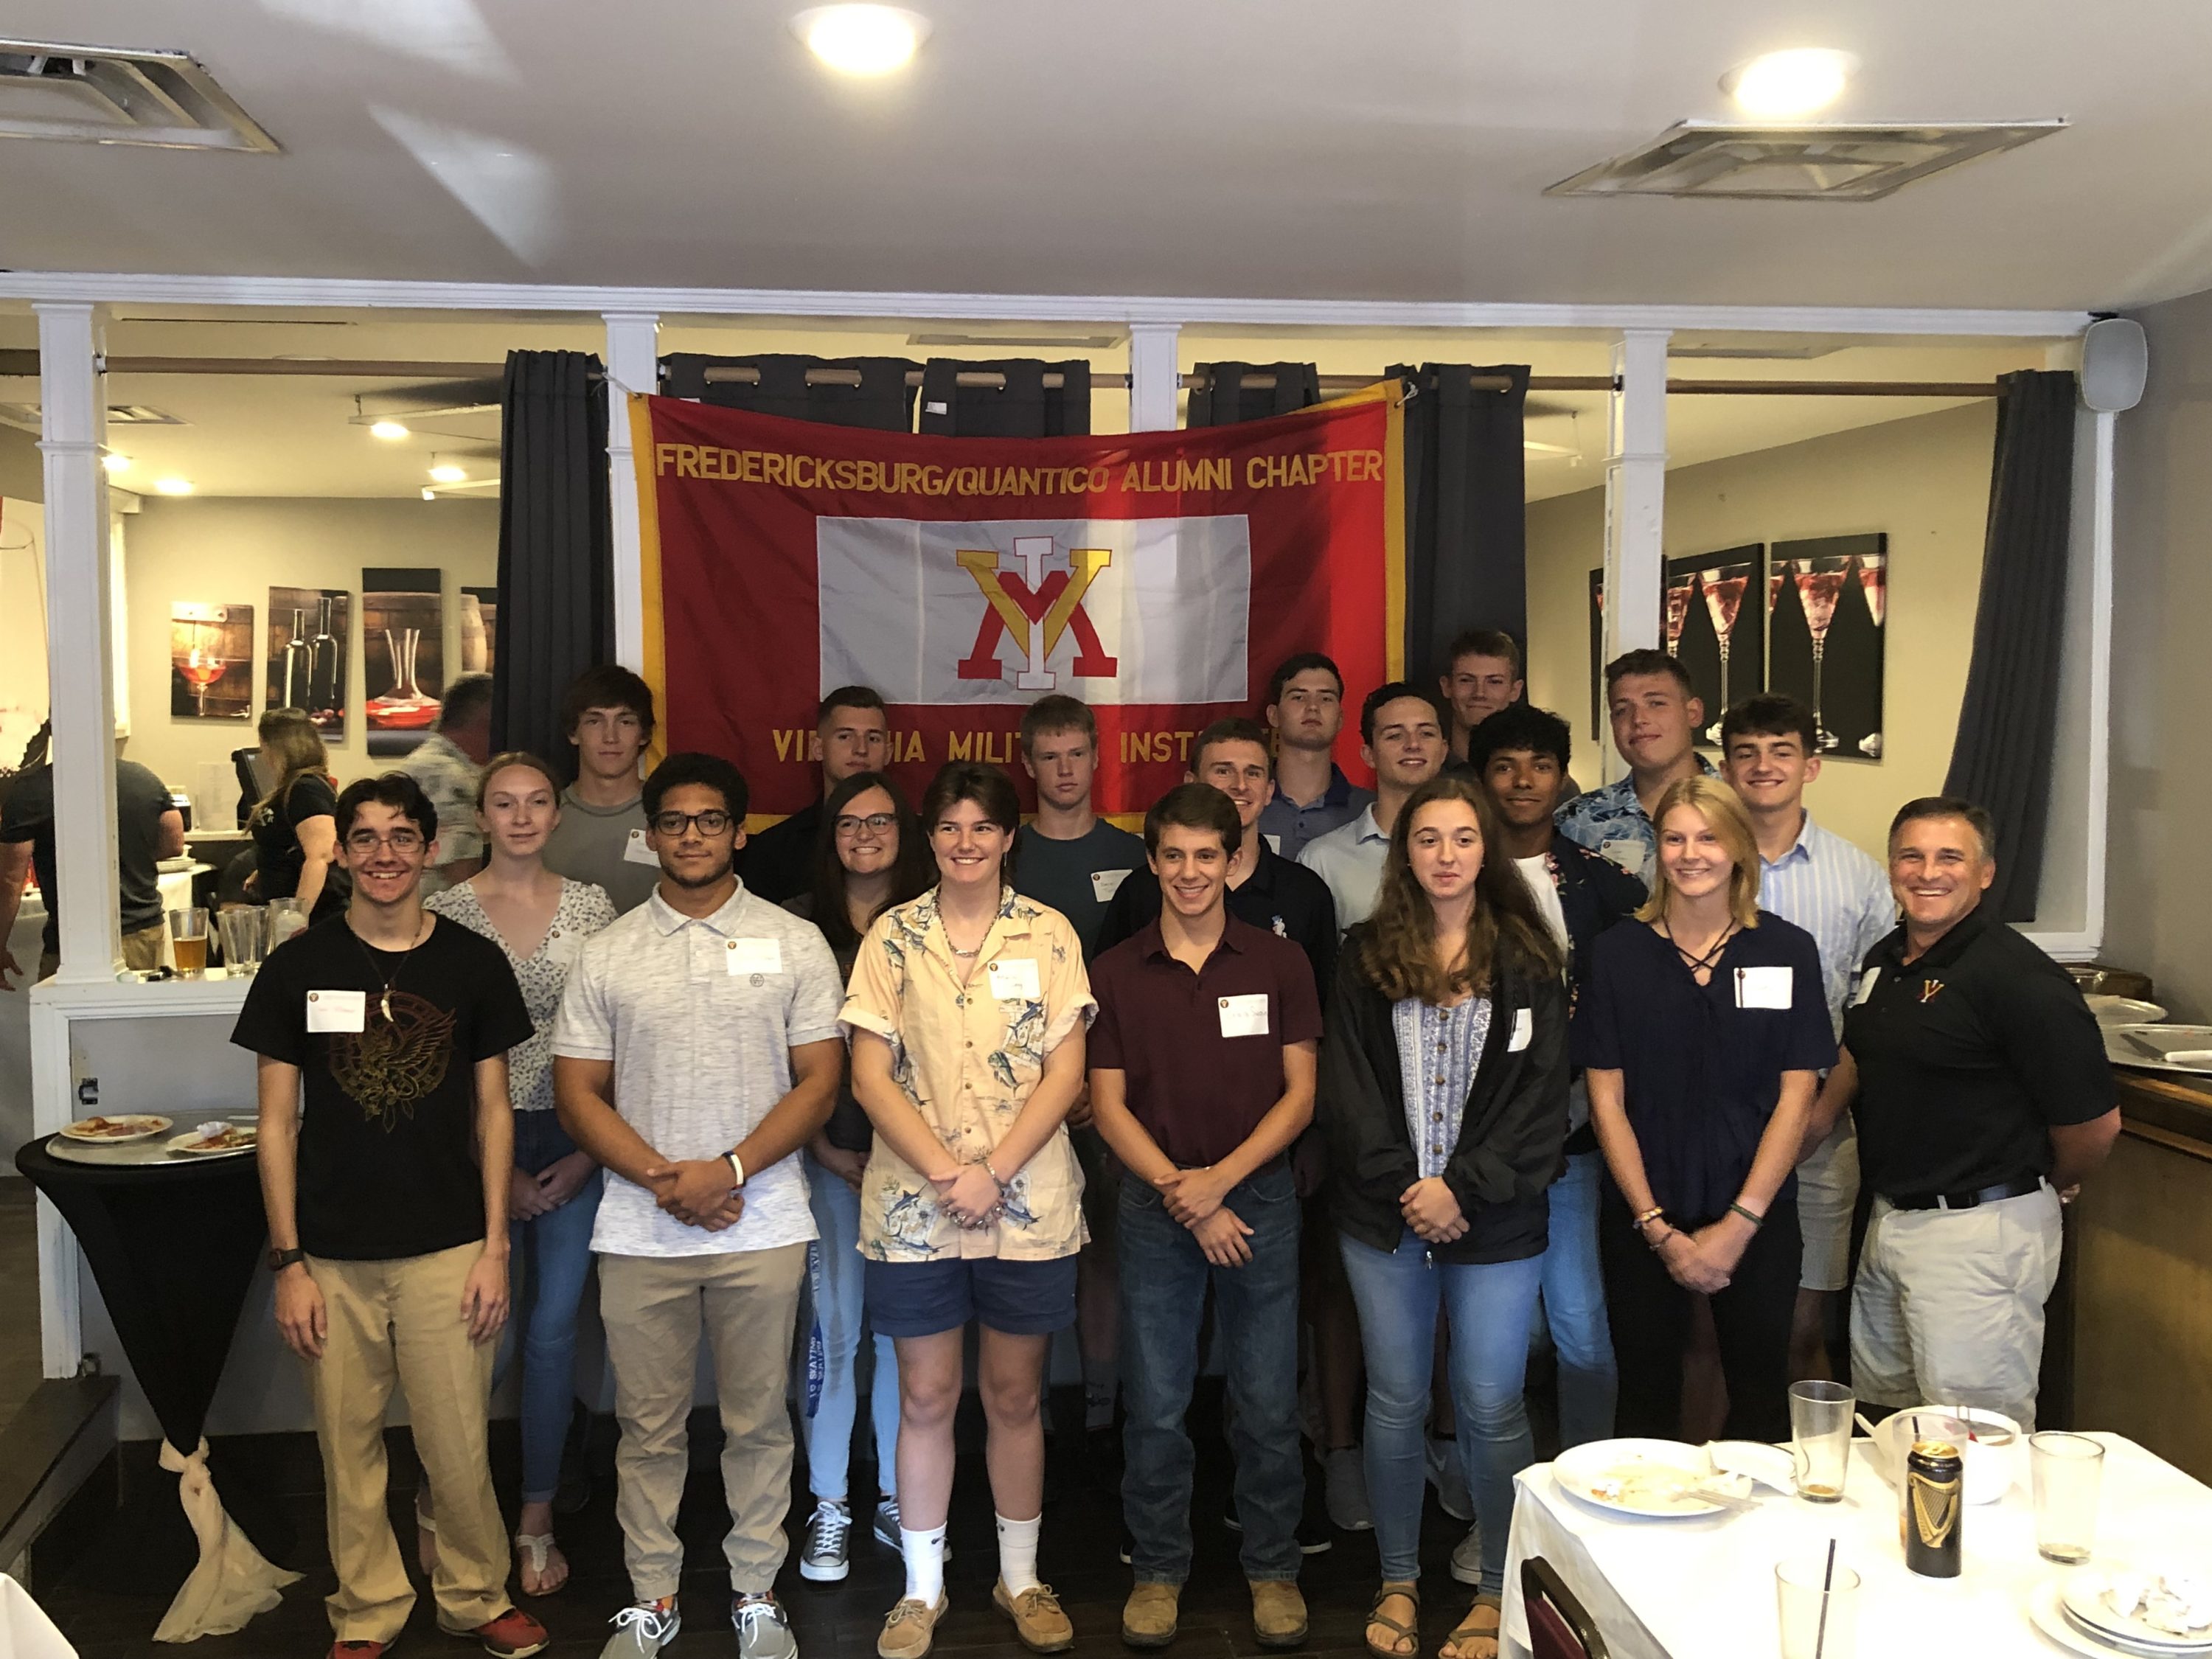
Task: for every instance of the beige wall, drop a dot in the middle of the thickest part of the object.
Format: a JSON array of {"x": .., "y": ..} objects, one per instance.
[
  {"x": 2158, "y": 878},
  {"x": 1923, "y": 481},
  {"x": 227, "y": 550}
]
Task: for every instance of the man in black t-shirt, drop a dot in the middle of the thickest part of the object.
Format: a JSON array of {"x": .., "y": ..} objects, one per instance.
[
  {"x": 855, "y": 735},
  {"x": 387, "y": 1149},
  {"x": 148, "y": 828}
]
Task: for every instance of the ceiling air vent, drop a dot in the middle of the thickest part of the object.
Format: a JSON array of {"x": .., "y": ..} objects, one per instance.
[
  {"x": 101, "y": 95},
  {"x": 1839, "y": 163}
]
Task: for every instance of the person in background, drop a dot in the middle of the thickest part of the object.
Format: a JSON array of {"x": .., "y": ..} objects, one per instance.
[
  {"x": 856, "y": 735},
  {"x": 447, "y": 764},
  {"x": 698, "y": 1052},
  {"x": 1444, "y": 1095},
  {"x": 386, "y": 1156},
  {"x": 967, "y": 1009},
  {"x": 607, "y": 713},
  {"x": 539, "y": 922},
  {"x": 148, "y": 828},
  {"x": 1655, "y": 726},
  {"x": 1202, "y": 1076},
  {"x": 873, "y": 856},
  {"x": 1770, "y": 750},
  {"x": 1305, "y": 710},
  {"x": 1070, "y": 859},
  {"x": 1982, "y": 1097},
  {"x": 1520, "y": 755},
  {"x": 1482, "y": 675},
  {"x": 1703, "y": 1034},
  {"x": 294, "y": 825},
  {"x": 1401, "y": 735}
]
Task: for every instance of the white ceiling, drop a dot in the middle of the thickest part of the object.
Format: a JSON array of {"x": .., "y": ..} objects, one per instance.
[{"x": 1390, "y": 150}]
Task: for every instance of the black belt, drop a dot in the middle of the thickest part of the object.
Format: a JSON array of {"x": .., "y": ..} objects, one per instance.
[{"x": 2018, "y": 1187}]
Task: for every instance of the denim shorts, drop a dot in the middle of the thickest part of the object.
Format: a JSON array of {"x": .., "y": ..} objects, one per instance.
[{"x": 921, "y": 1298}]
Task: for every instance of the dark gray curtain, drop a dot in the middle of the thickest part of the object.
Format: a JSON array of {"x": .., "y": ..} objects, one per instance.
[
  {"x": 2008, "y": 721},
  {"x": 883, "y": 402},
  {"x": 1223, "y": 399},
  {"x": 555, "y": 545},
  {"x": 1466, "y": 514},
  {"x": 1025, "y": 407}
]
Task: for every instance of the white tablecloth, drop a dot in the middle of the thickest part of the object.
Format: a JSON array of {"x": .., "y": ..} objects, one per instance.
[{"x": 1691, "y": 1590}]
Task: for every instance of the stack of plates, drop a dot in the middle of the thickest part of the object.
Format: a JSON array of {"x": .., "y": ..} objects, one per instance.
[{"x": 2075, "y": 1612}]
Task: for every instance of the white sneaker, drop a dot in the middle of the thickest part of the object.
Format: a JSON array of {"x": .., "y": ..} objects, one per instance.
[
  {"x": 763, "y": 1630},
  {"x": 640, "y": 1631},
  {"x": 1344, "y": 1478},
  {"x": 826, "y": 1553},
  {"x": 1449, "y": 1479},
  {"x": 1467, "y": 1558}
]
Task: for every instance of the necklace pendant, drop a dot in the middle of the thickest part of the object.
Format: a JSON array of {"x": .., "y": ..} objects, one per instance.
[{"x": 385, "y": 1003}]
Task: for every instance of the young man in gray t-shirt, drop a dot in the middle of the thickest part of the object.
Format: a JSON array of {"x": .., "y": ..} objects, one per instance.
[{"x": 600, "y": 837}]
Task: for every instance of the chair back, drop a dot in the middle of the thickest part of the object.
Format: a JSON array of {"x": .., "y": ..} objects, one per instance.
[{"x": 1558, "y": 1628}]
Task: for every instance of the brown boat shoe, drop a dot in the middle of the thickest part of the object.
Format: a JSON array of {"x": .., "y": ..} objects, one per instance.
[
  {"x": 1038, "y": 1620},
  {"x": 909, "y": 1628},
  {"x": 1279, "y": 1613},
  {"x": 1148, "y": 1616}
]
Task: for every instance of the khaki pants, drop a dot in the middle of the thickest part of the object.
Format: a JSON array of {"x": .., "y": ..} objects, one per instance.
[
  {"x": 1949, "y": 1306},
  {"x": 655, "y": 1309},
  {"x": 402, "y": 1321},
  {"x": 142, "y": 951}
]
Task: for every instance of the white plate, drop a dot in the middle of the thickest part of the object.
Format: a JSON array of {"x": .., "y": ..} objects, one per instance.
[
  {"x": 152, "y": 1125},
  {"x": 1582, "y": 1472},
  {"x": 2081, "y": 1594},
  {"x": 189, "y": 1145},
  {"x": 2181, "y": 1048},
  {"x": 2048, "y": 1614},
  {"x": 2123, "y": 1011}
]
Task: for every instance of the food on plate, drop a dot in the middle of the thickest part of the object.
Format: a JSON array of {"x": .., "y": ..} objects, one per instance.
[
  {"x": 2179, "y": 1603},
  {"x": 215, "y": 1137},
  {"x": 115, "y": 1128},
  {"x": 1650, "y": 1486}
]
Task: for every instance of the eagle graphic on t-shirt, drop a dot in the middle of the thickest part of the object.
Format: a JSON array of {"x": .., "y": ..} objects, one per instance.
[{"x": 390, "y": 1065}]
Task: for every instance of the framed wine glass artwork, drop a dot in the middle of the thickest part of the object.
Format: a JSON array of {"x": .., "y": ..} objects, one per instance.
[
  {"x": 211, "y": 661},
  {"x": 310, "y": 630},
  {"x": 403, "y": 656},
  {"x": 1715, "y": 627},
  {"x": 1828, "y": 617}
]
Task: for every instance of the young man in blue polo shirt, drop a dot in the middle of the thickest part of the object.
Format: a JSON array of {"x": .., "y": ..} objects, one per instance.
[{"x": 1203, "y": 1063}]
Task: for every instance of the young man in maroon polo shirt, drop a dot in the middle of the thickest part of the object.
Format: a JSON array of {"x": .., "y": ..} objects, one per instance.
[{"x": 1201, "y": 1076}]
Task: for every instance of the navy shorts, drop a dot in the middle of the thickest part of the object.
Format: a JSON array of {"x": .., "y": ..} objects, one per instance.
[{"x": 921, "y": 1298}]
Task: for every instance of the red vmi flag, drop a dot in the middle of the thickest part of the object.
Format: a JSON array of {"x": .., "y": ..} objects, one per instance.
[{"x": 1159, "y": 576}]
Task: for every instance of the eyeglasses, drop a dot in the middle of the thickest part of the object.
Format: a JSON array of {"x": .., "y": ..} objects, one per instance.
[
  {"x": 710, "y": 822},
  {"x": 845, "y": 824},
  {"x": 366, "y": 841}
]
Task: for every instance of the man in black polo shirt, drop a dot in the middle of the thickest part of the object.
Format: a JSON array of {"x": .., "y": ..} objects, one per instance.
[
  {"x": 1202, "y": 1074},
  {"x": 1979, "y": 1086}
]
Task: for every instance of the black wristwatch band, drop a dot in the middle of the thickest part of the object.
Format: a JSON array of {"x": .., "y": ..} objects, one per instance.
[{"x": 280, "y": 1260}]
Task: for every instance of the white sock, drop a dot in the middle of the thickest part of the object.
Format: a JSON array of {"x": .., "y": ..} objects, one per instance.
[
  {"x": 1018, "y": 1547},
  {"x": 924, "y": 1563}
]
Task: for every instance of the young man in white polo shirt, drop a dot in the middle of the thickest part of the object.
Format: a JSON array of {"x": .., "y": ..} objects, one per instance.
[{"x": 710, "y": 1015}]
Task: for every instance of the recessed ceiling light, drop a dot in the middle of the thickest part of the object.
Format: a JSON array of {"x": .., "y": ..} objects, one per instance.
[
  {"x": 176, "y": 486},
  {"x": 1782, "y": 85},
  {"x": 446, "y": 472},
  {"x": 387, "y": 429},
  {"x": 862, "y": 39},
  {"x": 115, "y": 463}
]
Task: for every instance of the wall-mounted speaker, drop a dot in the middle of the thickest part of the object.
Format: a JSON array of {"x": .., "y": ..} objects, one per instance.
[{"x": 2115, "y": 358}]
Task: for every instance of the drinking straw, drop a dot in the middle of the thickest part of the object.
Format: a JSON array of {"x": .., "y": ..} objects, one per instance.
[{"x": 1827, "y": 1583}]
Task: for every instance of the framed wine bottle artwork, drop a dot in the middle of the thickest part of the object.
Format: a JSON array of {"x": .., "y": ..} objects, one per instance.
[
  {"x": 309, "y": 632},
  {"x": 403, "y": 655},
  {"x": 1715, "y": 629},
  {"x": 211, "y": 661},
  {"x": 1828, "y": 603}
]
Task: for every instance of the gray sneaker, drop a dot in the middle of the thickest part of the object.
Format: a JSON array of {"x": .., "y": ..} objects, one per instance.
[
  {"x": 640, "y": 1631},
  {"x": 826, "y": 1556},
  {"x": 887, "y": 1527},
  {"x": 1467, "y": 1558},
  {"x": 763, "y": 1630}
]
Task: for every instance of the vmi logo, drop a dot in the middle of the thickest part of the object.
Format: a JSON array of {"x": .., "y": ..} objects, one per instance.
[{"x": 1034, "y": 609}]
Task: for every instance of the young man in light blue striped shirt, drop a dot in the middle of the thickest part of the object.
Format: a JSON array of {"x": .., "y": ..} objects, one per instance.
[{"x": 1837, "y": 893}]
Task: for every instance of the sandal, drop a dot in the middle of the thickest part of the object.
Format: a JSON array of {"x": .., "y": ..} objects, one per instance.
[
  {"x": 1472, "y": 1641},
  {"x": 1410, "y": 1634},
  {"x": 538, "y": 1552}
]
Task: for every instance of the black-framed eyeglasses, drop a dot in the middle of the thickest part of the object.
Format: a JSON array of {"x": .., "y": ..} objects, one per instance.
[
  {"x": 712, "y": 821},
  {"x": 846, "y": 824},
  {"x": 365, "y": 841}
]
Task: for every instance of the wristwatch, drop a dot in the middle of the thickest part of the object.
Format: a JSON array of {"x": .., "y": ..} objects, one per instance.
[{"x": 280, "y": 1260}]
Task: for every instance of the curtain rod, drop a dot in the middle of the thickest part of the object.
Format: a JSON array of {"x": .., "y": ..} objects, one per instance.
[{"x": 25, "y": 363}]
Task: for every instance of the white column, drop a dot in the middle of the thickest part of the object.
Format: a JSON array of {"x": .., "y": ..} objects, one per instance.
[
  {"x": 1154, "y": 376},
  {"x": 633, "y": 365},
  {"x": 1635, "y": 501},
  {"x": 78, "y": 650}
]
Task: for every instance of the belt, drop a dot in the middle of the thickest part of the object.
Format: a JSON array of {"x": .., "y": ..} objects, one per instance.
[{"x": 2018, "y": 1187}]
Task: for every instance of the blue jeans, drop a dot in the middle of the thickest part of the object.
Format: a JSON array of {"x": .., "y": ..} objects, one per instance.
[
  {"x": 1574, "y": 1305},
  {"x": 1489, "y": 1306},
  {"x": 832, "y": 1401},
  {"x": 552, "y": 1258},
  {"x": 1164, "y": 1276}
]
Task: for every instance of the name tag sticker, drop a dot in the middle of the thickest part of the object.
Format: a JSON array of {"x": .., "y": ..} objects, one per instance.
[
  {"x": 1014, "y": 979},
  {"x": 1524, "y": 1031},
  {"x": 1866, "y": 988},
  {"x": 1104, "y": 884},
  {"x": 1245, "y": 1016},
  {"x": 635, "y": 851},
  {"x": 1762, "y": 988},
  {"x": 337, "y": 1010},
  {"x": 561, "y": 949},
  {"x": 755, "y": 955},
  {"x": 1275, "y": 842}
]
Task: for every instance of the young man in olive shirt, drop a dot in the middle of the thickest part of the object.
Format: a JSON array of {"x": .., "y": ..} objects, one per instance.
[
  {"x": 1202, "y": 1076},
  {"x": 600, "y": 835},
  {"x": 388, "y": 1211}
]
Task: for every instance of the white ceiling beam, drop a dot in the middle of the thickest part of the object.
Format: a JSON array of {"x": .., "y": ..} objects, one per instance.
[{"x": 126, "y": 288}]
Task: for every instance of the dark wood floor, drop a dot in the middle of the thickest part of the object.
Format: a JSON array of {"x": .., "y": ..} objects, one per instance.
[
  {"x": 19, "y": 1293},
  {"x": 123, "y": 1563}
]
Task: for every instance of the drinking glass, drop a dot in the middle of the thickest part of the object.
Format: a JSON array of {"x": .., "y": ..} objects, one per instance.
[
  {"x": 244, "y": 928},
  {"x": 1817, "y": 1622},
  {"x": 286, "y": 918},
  {"x": 188, "y": 936},
  {"x": 1821, "y": 1439},
  {"x": 2068, "y": 1470}
]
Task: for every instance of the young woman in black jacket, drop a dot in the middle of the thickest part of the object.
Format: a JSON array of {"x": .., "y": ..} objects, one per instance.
[{"x": 1443, "y": 1093}]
